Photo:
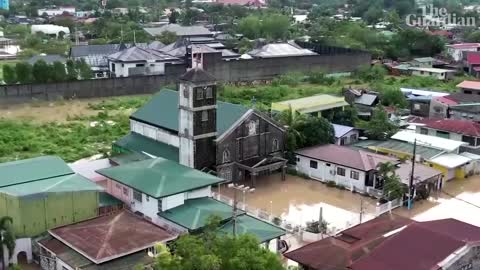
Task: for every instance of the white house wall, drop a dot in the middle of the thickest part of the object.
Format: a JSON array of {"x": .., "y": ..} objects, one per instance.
[
  {"x": 21, "y": 245},
  {"x": 173, "y": 201},
  {"x": 154, "y": 133},
  {"x": 329, "y": 173},
  {"x": 199, "y": 193},
  {"x": 348, "y": 136}
]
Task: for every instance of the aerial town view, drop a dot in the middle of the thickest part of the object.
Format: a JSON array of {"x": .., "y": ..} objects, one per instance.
[{"x": 239, "y": 134}]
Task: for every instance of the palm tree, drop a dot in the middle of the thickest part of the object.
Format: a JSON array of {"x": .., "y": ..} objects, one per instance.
[
  {"x": 392, "y": 186},
  {"x": 291, "y": 120},
  {"x": 7, "y": 237}
]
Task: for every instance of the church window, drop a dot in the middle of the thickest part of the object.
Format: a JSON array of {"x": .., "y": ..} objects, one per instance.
[
  {"x": 204, "y": 116},
  {"x": 275, "y": 146},
  {"x": 208, "y": 92},
  {"x": 252, "y": 128},
  {"x": 226, "y": 156},
  {"x": 199, "y": 93}
]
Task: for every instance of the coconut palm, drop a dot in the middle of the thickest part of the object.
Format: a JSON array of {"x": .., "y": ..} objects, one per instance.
[
  {"x": 7, "y": 238},
  {"x": 291, "y": 120}
]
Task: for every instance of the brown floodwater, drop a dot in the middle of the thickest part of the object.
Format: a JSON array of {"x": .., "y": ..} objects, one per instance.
[{"x": 298, "y": 201}]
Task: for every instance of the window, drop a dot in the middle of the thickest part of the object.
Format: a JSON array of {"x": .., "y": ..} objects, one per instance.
[
  {"x": 140, "y": 65},
  {"x": 160, "y": 206},
  {"x": 423, "y": 131},
  {"x": 343, "y": 141},
  {"x": 185, "y": 92},
  {"x": 341, "y": 171},
  {"x": 208, "y": 92},
  {"x": 226, "y": 156},
  {"x": 443, "y": 134},
  {"x": 354, "y": 175},
  {"x": 328, "y": 164},
  {"x": 469, "y": 140},
  {"x": 204, "y": 116},
  {"x": 252, "y": 128},
  {"x": 313, "y": 164},
  {"x": 113, "y": 67},
  {"x": 467, "y": 91},
  {"x": 353, "y": 138},
  {"x": 137, "y": 196},
  {"x": 199, "y": 93},
  {"x": 275, "y": 145},
  {"x": 148, "y": 198},
  {"x": 125, "y": 191},
  {"x": 297, "y": 159},
  {"x": 422, "y": 72}
]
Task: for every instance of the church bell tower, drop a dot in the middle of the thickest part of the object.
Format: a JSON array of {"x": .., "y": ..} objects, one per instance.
[{"x": 197, "y": 119}]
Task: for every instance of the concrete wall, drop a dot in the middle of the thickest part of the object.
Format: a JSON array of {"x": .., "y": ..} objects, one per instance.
[
  {"x": 328, "y": 172},
  {"x": 470, "y": 259},
  {"x": 155, "y": 133}
]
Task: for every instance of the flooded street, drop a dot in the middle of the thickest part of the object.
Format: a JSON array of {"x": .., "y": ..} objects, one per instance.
[
  {"x": 460, "y": 199},
  {"x": 298, "y": 201}
]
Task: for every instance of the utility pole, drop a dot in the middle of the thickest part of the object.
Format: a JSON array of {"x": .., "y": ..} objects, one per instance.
[
  {"x": 361, "y": 210},
  {"x": 320, "y": 221},
  {"x": 411, "y": 186},
  {"x": 237, "y": 188}
]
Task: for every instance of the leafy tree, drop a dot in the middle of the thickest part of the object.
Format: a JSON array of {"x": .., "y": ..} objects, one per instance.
[
  {"x": 347, "y": 117},
  {"x": 8, "y": 237},
  {"x": 291, "y": 119},
  {"x": 315, "y": 131},
  {"x": 474, "y": 37},
  {"x": 392, "y": 186},
  {"x": 393, "y": 97},
  {"x": 173, "y": 16},
  {"x": 41, "y": 71},
  {"x": 9, "y": 76},
  {"x": 59, "y": 74},
  {"x": 369, "y": 74},
  {"x": 250, "y": 27},
  {"x": 379, "y": 127},
  {"x": 373, "y": 15},
  {"x": 85, "y": 70},
  {"x": 72, "y": 72},
  {"x": 24, "y": 72},
  {"x": 167, "y": 37},
  {"x": 189, "y": 15},
  {"x": 275, "y": 26}
]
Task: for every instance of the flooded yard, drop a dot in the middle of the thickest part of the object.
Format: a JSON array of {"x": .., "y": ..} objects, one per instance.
[
  {"x": 298, "y": 201},
  {"x": 460, "y": 199}
]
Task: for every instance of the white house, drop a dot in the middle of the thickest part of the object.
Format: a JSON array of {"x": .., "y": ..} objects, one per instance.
[
  {"x": 51, "y": 30},
  {"x": 456, "y": 50},
  {"x": 345, "y": 135},
  {"x": 138, "y": 61},
  {"x": 353, "y": 169},
  {"x": 437, "y": 73},
  {"x": 56, "y": 11}
]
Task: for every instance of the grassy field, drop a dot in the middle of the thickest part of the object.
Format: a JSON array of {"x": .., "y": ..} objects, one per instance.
[{"x": 82, "y": 128}]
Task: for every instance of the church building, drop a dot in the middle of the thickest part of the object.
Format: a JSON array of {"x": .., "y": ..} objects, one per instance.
[{"x": 192, "y": 127}]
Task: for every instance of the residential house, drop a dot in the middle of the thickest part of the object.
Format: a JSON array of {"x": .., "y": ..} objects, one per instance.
[
  {"x": 423, "y": 62},
  {"x": 469, "y": 87},
  {"x": 456, "y": 106},
  {"x": 420, "y": 100},
  {"x": 458, "y": 130},
  {"x": 472, "y": 63},
  {"x": 330, "y": 163},
  {"x": 437, "y": 73},
  {"x": 43, "y": 193},
  {"x": 51, "y": 12},
  {"x": 250, "y": 3},
  {"x": 345, "y": 135},
  {"x": 51, "y": 30},
  {"x": 363, "y": 100},
  {"x": 180, "y": 31},
  {"x": 96, "y": 56},
  {"x": 177, "y": 197},
  {"x": 468, "y": 111},
  {"x": 315, "y": 105},
  {"x": 456, "y": 51},
  {"x": 121, "y": 240},
  {"x": 139, "y": 61},
  {"x": 48, "y": 58},
  {"x": 393, "y": 242},
  {"x": 191, "y": 127}
]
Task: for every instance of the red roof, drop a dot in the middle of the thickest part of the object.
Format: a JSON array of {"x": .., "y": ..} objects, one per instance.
[
  {"x": 473, "y": 58},
  {"x": 341, "y": 251},
  {"x": 420, "y": 246},
  {"x": 475, "y": 85},
  {"x": 357, "y": 159},
  {"x": 464, "y": 127},
  {"x": 446, "y": 100},
  {"x": 464, "y": 45},
  {"x": 442, "y": 33},
  {"x": 112, "y": 236}
]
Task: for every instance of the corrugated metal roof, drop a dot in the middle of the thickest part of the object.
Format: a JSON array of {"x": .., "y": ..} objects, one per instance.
[
  {"x": 34, "y": 169},
  {"x": 431, "y": 141},
  {"x": 366, "y": 99},
  {"x": 194, "y": 213},
  {"x": 451, "y": 160},
  {"x": 464, "y": 127},
  {"x": 469, "y": 85},
  {"x": 311, "y": 104},
  {"x": 49, "y": 58},
  {"x": 179, "y": 30},
  {"x": 406, "y": 148},
  {"x": 279, "y": 50},
  {"x": 167, "y": 100},
  {"x": 137, "y": 54},
  {"x": 159, "y": 177},
  {"x": 341, "y": 130},
  {"x": 422, "y": 173},
  {"x": 246, "y": 224},
  {"x": 145, "y": 147},
  {"x": 420, "y": 92}
]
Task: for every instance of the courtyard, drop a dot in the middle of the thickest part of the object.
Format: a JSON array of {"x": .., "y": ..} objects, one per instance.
[{"x": 297, "y": 201}]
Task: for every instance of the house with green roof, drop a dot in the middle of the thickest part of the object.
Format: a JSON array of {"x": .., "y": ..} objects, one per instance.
[
  {"x": 178, "y": 198},
  {"x": 43, "y": 193},
  {"x": 191, "y": 127}
]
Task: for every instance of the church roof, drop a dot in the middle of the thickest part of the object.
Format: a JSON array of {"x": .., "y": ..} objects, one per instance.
[
  {"x": 197, "y": 75},
  {"x": 162, "y": 111}
]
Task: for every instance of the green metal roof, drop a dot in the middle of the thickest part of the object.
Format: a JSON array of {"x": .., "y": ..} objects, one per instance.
[
  {"x": 65, "y": 183},
  {"x": 106, "y": 199},
  {"x": 34, "y": 169},
  {"x": 194, "y": 213},
  {"x": 140, "y": 144},
  {"x": 249, "y": 225},
  {"x": 404, "y": 147},
  {"x": 162, "y": 111},
  {"x": 159, "y": 177}
]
